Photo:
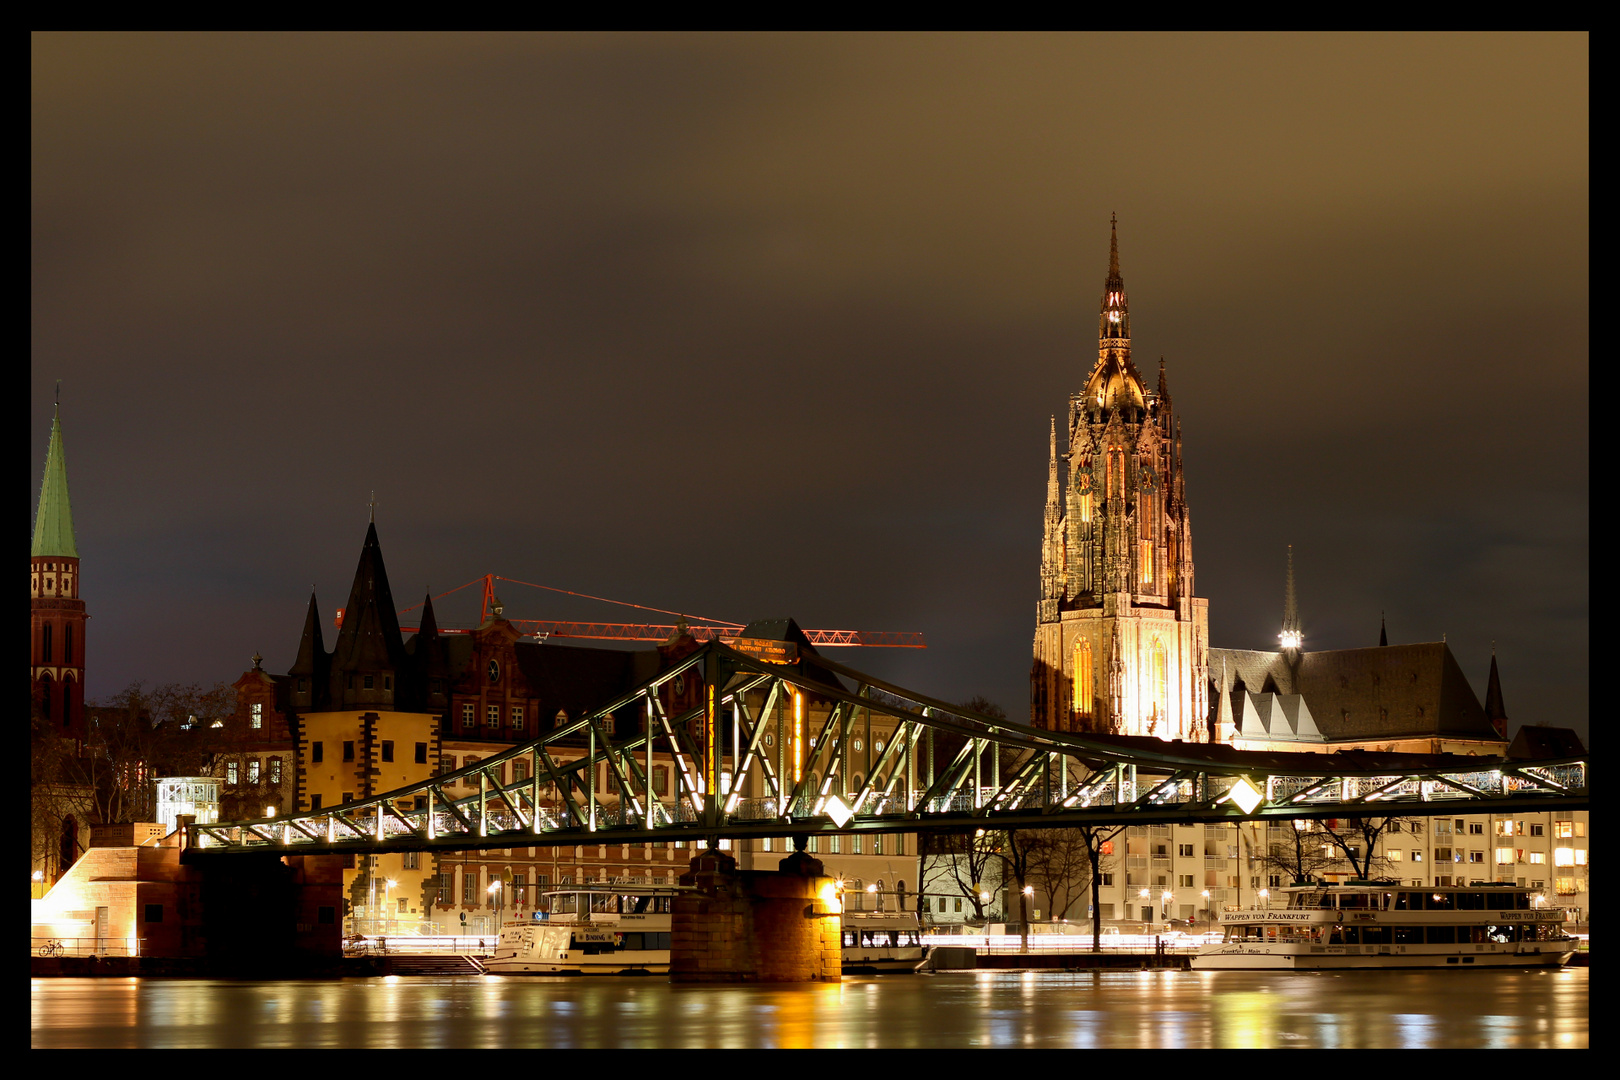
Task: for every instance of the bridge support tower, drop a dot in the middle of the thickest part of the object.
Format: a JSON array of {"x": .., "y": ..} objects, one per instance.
[{"x": 756, "y": 925}]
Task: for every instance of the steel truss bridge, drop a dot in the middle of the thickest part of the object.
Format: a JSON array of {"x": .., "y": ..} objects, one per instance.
[{"x": 941, "y": 768}]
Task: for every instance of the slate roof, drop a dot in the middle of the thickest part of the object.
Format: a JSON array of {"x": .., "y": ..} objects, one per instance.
[
  {"x": 1389, "y": 692},
  {"x": 1545, "y": 744},
  {"x": 1302, "y": 762}
]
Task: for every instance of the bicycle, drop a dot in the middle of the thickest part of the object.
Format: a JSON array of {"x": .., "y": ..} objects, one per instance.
[{"x": 51, "y": 948}]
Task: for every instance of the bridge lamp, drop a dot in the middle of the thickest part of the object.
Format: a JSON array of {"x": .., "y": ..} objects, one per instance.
[
  {"x": 835, "y": 809},
  {"x": 39, "y": 875},
  {"x": 1245, "y": 795},
  {"x": 269, "y": 811}
]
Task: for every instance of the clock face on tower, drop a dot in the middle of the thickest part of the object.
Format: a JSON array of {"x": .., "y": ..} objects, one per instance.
[{"x": 1150, "y": 479}]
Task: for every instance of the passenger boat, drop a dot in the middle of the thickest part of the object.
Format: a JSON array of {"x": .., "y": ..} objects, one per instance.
[
  {"x": 1384, "y": 924},
  {"x": 624, "y": 929},
  {"x": 595, "y": 929},
  {"x": 879, "y": 942}
]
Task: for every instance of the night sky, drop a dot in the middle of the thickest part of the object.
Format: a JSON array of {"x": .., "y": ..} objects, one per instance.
[{"x": 751, "y": 326}]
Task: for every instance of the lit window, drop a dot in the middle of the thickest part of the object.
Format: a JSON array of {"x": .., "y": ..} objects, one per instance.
[
  {"x": 1538, "y": 857},
  {"x": 1564, "y": 856},
  {"x": 1393, "y": 854},
  {"x": 1146, "y": 559},
  {"x": 1083, "y": 692},
  {"x": 1564, "y": 830},
  {"x": 256, "y": 716},
  {"x": 230, "y": 778},
  {"x": 253, "y": 770},
  {"x": 1580, "y": 856},
  {"x": 275, "y": 770}
]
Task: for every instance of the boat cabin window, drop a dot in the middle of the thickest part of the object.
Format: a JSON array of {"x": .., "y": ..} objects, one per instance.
[
  {"x": 1409, "y": 901},
  {"x": 1470, "y": 901},
  {"x": 1355, "y": 901},
  {"x": 1441, "y": 901}
]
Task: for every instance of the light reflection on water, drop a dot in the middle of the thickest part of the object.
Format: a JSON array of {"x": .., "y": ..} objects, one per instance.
[{"x": 1148, "y": 1009}]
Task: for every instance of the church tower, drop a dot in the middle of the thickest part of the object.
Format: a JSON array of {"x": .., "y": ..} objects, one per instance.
[
  {"x": 1121, "y": 643},
  {"x": 56, "y": 614}
]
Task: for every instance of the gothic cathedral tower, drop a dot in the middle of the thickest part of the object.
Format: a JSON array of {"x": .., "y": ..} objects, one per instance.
[
  {"x": 1121, "y": 643},
  {"x": 56, "y": 614}
]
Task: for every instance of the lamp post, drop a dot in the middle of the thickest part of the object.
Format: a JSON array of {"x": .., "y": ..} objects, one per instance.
[
  {"x": 1029, "y": 891},
  {"x": 1207, "y": 919},
  {"x": 388, "y": 884},
  {"x": 1265, "y": 898},
  {"x": 494, "y": 891},
  {"x": 1165, "y": 899}
]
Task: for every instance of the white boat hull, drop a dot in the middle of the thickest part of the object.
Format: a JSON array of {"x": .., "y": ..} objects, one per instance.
[{"x": 1240, "y": 957}]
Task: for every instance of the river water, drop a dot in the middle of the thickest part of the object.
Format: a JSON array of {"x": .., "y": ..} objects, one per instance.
[{"x": 952, "y": 1009}]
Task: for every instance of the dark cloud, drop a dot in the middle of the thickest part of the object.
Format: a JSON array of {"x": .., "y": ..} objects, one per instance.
[{"x": 747, "y": 325}]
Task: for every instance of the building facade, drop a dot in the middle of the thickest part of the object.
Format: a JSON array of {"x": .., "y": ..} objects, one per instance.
[{"x": 1121, "y": 642}]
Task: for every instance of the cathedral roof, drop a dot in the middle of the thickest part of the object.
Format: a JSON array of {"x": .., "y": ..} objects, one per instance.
[
  {"x": 53, "y": 522},
  {"x": 1396, "y": 691}
]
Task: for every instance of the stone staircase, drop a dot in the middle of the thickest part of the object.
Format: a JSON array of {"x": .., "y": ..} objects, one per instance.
[{"x": 425, "y": 964}]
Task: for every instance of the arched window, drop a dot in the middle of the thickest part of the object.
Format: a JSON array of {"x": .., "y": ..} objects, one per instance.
[
  {"x": 46, "y": 691},
  {"x": 1083, "y": 687},
  {"x": 67, "y": 645},
  {"x": 45, "y": 644},
  {"x": 1161, "y": 679}
]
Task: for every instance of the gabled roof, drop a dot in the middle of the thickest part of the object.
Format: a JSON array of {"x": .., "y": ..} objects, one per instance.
[{"x": 53, "y": 522}]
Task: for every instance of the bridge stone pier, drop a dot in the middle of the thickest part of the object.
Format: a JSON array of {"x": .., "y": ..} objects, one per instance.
[{"x": 756, "y": 925}]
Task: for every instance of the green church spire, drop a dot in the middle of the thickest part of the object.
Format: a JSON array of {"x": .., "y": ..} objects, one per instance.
[{"x": 53, "y": 525}]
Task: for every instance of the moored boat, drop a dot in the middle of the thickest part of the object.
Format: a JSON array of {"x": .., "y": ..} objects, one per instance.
[
  {"x": 1384, "y": 924},
  {"x": 596, "y": 929}
]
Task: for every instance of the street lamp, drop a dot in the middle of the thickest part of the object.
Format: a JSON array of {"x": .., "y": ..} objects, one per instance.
[
  {"x": 494, "y": 891},
  {"x": 388, "y": 884},
  {"x": 1166, "y": 898},
  {"x": 1207, "y": 920},
  {"x": 1265, "y": 897}
]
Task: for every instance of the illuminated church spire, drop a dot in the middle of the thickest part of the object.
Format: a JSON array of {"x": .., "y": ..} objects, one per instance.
[
  {"x": 1114, "y": 321},
  {"x": 1290, "y": 636}
]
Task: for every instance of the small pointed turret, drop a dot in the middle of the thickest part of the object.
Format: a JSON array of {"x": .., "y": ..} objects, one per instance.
[
  {"x": 1290, "y": 636},
  {"x": 1495, "y": 710},
  {"x": 311, "y": 668},
  {"x": 1383, "y": 634}
]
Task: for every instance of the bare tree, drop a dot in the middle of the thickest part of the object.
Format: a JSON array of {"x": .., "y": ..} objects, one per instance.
[
  {"x": 961, "y": 864},
  {"x": 1060, "y": 864},
  {"x": 1303, "y": 851},
  {"x": 1357, "y": 840}
]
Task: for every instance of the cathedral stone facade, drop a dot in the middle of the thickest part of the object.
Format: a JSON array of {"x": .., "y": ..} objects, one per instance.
[{"x": 1121, "y": 642}]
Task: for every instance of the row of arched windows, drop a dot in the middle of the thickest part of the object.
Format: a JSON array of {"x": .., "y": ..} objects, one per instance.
[
  {"x": 46, "y": 648},
  {"x": 54, "y": 703},
  {"x": 1084, "y": 678}
]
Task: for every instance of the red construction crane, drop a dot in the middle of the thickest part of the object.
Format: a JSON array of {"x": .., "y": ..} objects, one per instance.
[{"x": 700, "y": 627}]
